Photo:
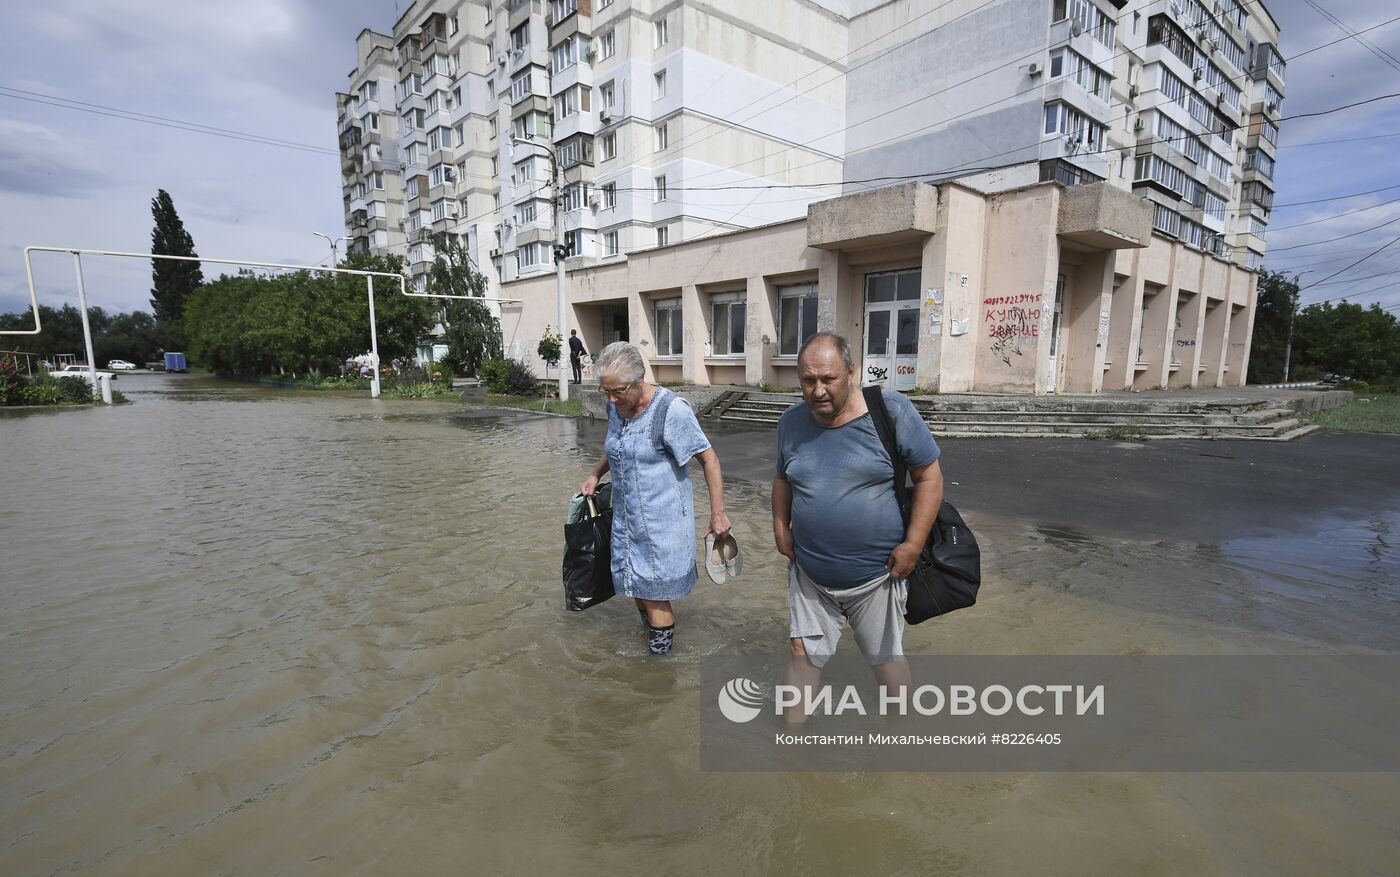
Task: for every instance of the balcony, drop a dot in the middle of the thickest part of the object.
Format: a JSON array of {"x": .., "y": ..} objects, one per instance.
[{"x": 1104, "y": 217}]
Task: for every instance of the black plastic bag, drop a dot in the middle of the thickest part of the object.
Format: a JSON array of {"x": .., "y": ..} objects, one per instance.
[
  {"x": 588, "y": 553},
  {"x": 948, "y": 572}
]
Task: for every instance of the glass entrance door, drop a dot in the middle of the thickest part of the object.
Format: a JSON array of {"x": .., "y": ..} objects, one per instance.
[{"x": 891, "y": 330}]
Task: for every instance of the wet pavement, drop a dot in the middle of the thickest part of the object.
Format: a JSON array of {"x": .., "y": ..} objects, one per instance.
[{"x": 253, "y": 631}]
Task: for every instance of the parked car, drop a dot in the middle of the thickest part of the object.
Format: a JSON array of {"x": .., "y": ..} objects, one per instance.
[
  {"x": 76, "y": 369},
  {"x": 121, "y": 365}
]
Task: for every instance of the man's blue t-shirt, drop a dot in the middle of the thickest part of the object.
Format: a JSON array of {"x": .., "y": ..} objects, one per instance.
[{"x": 845, "y": 518}]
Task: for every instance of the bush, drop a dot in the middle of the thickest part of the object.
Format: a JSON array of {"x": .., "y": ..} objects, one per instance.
[
  {"x": 74, "y": 389},
  {"x": 493, "y": 374},
  {"x": 520, "y": 381},
  {"x": 11, "y": 381},
  {"x": 418, "y": 391},
  {"x": 41, "y": 393},
  {"x": 441, "y": 372}
]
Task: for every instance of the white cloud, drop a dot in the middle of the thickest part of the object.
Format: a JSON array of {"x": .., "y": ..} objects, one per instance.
[{"x": 38, "y": 160}]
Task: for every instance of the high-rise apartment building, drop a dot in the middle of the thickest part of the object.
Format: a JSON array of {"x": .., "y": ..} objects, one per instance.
[
  {"x": 371, "y": 170},
  {"x": 1176, "y": 100},
  {"x": 645, "y": 109}
]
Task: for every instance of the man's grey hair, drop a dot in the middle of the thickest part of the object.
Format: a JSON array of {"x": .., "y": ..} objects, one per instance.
[
  {"x": 622, "y": 360},
  {"x": 842, "y": 346}
]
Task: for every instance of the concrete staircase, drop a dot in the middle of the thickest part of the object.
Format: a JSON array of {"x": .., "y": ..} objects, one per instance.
[{"x": 1061, "y": 416}]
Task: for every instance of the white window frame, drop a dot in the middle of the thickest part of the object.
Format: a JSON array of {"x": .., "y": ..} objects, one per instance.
[
  {"x": 722, "y": 306},
  {"x": 797, "y": 291},
  {"x": 609, "y": 196},
  {"x": 659, "y": 193},
  {"x": 658, "y": 83},
  {"x": 672, "y": 327},
  {"x": 661, "y": 32},
  {"x": 663, "y": 140},
  {"x": 610, "y": 245}
]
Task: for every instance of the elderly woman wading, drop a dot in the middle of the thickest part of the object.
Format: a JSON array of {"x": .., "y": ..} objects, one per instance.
[{"x": 652, "y": 435}]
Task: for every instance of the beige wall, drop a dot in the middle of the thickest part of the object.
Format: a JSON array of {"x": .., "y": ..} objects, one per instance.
[{"x": 989, "y": 264}]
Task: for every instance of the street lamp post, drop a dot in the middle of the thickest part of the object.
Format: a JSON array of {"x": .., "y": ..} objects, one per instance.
[
  {"x": 1292, "y": 311},
  {"x": 332, "y": 243},
  {"x": 559, "y": 252}
]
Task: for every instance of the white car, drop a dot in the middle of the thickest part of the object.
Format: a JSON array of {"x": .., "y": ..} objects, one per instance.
[
  {"x": 121, "y": 365},
  {"x": 76, "y": 370}
]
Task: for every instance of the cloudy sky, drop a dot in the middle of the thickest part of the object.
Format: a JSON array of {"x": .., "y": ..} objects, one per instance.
[{"x": 271, "y": 68}]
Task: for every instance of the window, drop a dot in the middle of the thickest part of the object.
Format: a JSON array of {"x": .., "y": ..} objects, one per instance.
[
  {"x": 369, "y": 91},
  {"x": 456, "y": 97},
  {"x": 573, "y": 243},
  {"x": 1253, "y": 259},
  {"x": 520, "y": 37},
  {"x": 357, "y": 190},
  {"x": 377, "y": 180},
  {"x": 797, "y": 316},
  {"x": 659, "y": 85},
  {"x": 1214, "y": 206},
  {"x": 1071, "y": 64},
  {"x": 491, "y": 125},
  {"x": 565, "y": 55},
  {"x": 607, "y": 44},
  {"x": 660, "y": 28},
  {"x": 437, "y": 175},
  {"x": 1082, "y": 131},
  {"x": 1259, "y": 161},
  {"x": 1256, "y": 226},
  {"x": 575, "y": 150},
  {"x": 1166, "y": 174},
  {"x": 607, "y": 95},
  {"x": 604, "y": 4},
  {"x": 727, "y": 319},
  {"x": 490, "y": 88},
  {"x": 413, "y": 119},
  {"x": 562, "y": 9},
  {"x": 520, "y": 87},
  {"x": 660, "y": 188},
  {"x": 439, "y": 138},
  {"x": 452, "y": 26},
  {"x": 415, "y": 153},
  {"x": 1269, "y": 131},
  {"x": 661, "y": 139},
  {"x": 410, "y": 189},
  {"x": 372, "y": 121},
  {"x": 575, "y": 197},
  {"x": 609, "y": 146},
  {"x": 610, "y": 244},
  {"x": 669, "y": 329},
  {"x": 1089, "y": 17},
  {"x": 444, "y": 209},
  {"x": 609, "y": 196},
  {"x": 663, "y": 235},
  {"x": 524, "y": 171},
  {"x": 571, "y": 100},
  {"x": 528, "y": 255},
  {"x": 495, "y": 166}
]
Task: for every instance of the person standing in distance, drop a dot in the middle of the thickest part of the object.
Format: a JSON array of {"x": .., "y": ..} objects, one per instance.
[
  {"x": 652, "y": 436},
  {"x": 837, "y": 520},
  {"x": 576, "y": 355}
]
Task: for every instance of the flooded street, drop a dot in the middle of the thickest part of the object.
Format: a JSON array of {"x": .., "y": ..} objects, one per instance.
[{"x": 247, "y": 631}]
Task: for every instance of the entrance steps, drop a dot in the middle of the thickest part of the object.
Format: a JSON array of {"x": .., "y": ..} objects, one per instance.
[{"x": 1060, "y": 417}]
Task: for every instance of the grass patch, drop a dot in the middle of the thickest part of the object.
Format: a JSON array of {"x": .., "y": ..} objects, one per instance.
[
  {"x": 1371, "y": 412},
  {"x": 1118, "y": 434},
  {"x": 569, "y": 408}
]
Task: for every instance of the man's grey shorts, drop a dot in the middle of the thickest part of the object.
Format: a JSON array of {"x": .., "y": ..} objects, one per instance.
[{"x": 875, "y": 610}]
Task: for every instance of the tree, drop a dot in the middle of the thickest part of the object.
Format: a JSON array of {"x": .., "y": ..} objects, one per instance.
[
  {"x": 473, "y": 332},
  {"x": 172, "y": 282},
  {"x": 1278, "y": 296},
  {"x": 1349, "y": 340}
]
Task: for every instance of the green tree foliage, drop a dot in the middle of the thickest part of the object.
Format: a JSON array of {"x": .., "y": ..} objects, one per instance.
[
  {"x": 133, "y": 337},
  {"x": 172, "y": 282},
  {"x": 304, "y": 321},
  {"x": 1347, "y": 339},
  {"x": 1278, "y": 295},
  {"x": 551, "y": 346},
  {"x": 473, "y": 332}
]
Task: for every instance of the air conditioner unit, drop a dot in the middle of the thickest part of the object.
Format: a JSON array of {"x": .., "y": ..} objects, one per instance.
[
  {"x": 501, "y": 59},
  {"x": 604, "y": 116},
  {"x": 593, "y": 203},
  {"x": 1197, "y": 74},
  {"x": 1033, "y": 70},
  {"x": 1220, "y": 100},
  {"x": 592, "y": 51},
  {"x": 1132, "y": 91},
  {"x": 1139, "y": 125},
  {"x": 495, "y": 254}
]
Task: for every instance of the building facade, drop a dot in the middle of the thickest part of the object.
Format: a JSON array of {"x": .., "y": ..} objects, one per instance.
[
  {"x": 371, "y": 167},
  {"x": 655, "y": 115}
]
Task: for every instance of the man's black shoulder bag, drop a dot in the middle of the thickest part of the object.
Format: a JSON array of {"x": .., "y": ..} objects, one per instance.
[{"x": 949, "y": 569}]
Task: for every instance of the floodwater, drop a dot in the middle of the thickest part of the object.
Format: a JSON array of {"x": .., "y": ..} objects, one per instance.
[{"x": 246, "y": 631}]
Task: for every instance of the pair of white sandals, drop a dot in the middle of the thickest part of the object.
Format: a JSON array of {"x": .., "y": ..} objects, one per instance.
[{"x": 722, "y": 558}]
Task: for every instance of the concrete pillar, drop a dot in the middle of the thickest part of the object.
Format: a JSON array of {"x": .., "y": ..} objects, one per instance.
[
  {"x": 831, "y": 292},
  {"x": 1213, "y": 342},
  {"x": 640, "y": 329},
  {"x": 1154, "y": 337},
  {"x": 1186, "y": 340},
  {"x": 697, "y": 337},
  {"x": 762, "y": 320},
  {"x": 933, "y": 312},
  {"x": 1088, "y": 300}
]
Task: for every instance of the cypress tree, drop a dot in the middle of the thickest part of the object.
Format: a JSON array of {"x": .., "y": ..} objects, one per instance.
[{"x": 171, "y": 281}]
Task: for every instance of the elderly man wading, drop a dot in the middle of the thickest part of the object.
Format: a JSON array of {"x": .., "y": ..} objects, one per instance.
[
  {"x": 652, "y": 435},
  {"x": 836, "y": 519}
]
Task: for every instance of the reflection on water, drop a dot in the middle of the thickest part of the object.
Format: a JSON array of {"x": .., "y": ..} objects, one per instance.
[{"x": 247, "y": 630}]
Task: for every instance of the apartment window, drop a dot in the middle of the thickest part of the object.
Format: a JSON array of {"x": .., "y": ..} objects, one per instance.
[
  {"x": 1269, "y": 131},
  {"x": 1089, "y": 17},
  {"x": 662, "y": 141},
  {"x": 609, "y": 146},
  {"x": 607, "y": 95},
  {"x": 1082, "y": 131},
  {"x": 415, "y": 153},
  {"x": 797, "y": 316},
  {"x": 573, "y": 243},
  {"x": 490, "y": 85},
  {"x": 659, "y": 85},
  {"x": 660, "y": 194},
  {"x": 439, "y": 138},
  {"x": 604, "y": 4},
  {"x": 663, "y": 235},
  {"x": 456, "y": 97},
  {"x": 1166, "y": 174},
  {"x": 575, "y": 150},
  {"x": 444, "y": 209},
  {"x": 609, "y": 196},
  {"x": 661, "y": 34},
  {"x": 495, "y": 167},
  {"x": 415, "y": 222},
  {"x": 575, "y": 197},
  {"x": 669, "y": 328},
  {"x": 610, "y": 247},
  {"x": 520, "y": 37},
  {"x": 524, "y": 171},
  {"x": 1214, "y": 206},
  {"x": 562, "y": 9},
  {"x": 1259, "y": 161},
  {"x": 607, "y": 44},
  {"x": 369, "y": 91},
  {"x": 377, "y": 180},
  {"x": 437, "y": 175},
  {"x": 357, "y": 190},
  {"x": 728, "y": 312},
  {"x": 1253, "y": 259},
  {"x": 410, "y": 189},
  {"x": 491, "y": 125},
  {"x": 1074, "y": 66},
  {"x": 528, "y": 256},
  {"x": 452, "y": 26},
  {"x": 372, "y": 121},
  {"x": 1256, "y": 226},
  {"x": 565, "y": 55},
  {"x": 571, "y": 100},
  {"x": 520, "y": 87},
  {"x": 1165, "y": 220},
  {"x": 463, "y": 209}
]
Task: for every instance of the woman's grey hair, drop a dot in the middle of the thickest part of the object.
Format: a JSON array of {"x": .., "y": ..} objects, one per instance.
[
  {"x": 622, "y": 360},
  {"x": 843, "y": 347}
]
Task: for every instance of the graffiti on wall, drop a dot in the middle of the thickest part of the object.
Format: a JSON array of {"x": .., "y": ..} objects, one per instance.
[
  {"x": 876, "y": 373},
  {"x": 1009, "y": 319}
]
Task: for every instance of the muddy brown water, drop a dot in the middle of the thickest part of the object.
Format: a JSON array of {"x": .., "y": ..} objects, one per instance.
[{"x": 248, "y": 631}]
